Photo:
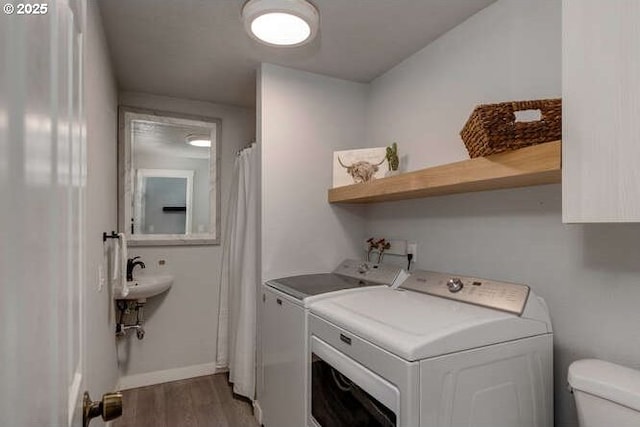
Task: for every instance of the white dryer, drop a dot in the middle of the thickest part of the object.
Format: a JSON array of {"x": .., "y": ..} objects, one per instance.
[{"x": 440, "y": 351}]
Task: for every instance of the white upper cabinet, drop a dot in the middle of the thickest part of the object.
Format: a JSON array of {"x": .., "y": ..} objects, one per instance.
[{"x": 601, "y": 111}]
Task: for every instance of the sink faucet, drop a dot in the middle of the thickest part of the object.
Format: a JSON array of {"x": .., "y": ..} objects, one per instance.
[{"x": 131, "y": 264}]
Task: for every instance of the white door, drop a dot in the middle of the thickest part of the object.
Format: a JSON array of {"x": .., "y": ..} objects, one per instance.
[{"x": 42, "y": 215}]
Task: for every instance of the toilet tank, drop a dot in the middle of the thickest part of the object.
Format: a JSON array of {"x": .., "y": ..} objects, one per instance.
[{"x": 606, "y": 394}]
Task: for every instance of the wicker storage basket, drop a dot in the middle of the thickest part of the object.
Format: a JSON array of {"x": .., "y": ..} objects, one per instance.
[{"x": 493, "y": 128}]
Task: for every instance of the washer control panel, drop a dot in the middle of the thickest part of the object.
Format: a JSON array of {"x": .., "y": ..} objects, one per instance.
[
  {"x": 509, "y": 297},
  {"x": 369, "y": 271}
]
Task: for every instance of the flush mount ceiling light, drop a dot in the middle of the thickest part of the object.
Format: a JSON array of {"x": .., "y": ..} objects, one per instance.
[
  {"x": 198, "y": 141},
  {"x": 288, "y": 23}
]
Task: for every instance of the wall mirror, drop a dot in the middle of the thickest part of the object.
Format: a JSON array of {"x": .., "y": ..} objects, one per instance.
[{"x": 169, "y": 177}]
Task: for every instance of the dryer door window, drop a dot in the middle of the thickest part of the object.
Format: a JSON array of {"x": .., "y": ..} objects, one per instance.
[
  {"x": 336, "y": 401},
  {"x": 346, "y": 393}
]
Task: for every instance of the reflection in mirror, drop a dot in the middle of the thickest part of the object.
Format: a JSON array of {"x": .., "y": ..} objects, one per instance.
[
  {"x": 163, "y": 202},
  {"x": 169, "y": 168}
]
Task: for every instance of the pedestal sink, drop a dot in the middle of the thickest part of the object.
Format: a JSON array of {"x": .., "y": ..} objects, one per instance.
[{"x": 144, "y": 286}]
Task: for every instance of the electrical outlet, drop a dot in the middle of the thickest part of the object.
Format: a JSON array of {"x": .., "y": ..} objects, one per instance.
[
  {"x": 398, "y": 247},
  {"x": 412, "y": 248}
]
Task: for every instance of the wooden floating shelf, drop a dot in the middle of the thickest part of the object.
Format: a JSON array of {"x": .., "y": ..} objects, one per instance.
[{"x": 535, "y": 165}]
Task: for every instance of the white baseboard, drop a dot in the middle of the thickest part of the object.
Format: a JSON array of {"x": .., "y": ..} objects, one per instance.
[
  {"x": 257, "y": 411},
  {"x": 159, "y": 377}
]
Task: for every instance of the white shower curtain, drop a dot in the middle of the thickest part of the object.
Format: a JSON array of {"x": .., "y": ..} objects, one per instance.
[{"x": 239, "y": 276}]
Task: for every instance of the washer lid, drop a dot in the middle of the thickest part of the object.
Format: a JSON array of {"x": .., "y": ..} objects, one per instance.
[
  {"x": 308, "y": 285},
  {"x": 349, "y": 274},
  {"x": 416, "y": 326}
]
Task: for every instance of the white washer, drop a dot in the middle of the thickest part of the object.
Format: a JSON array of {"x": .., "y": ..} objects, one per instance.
[
  {"x": 440, "y": 351},
  {"x": 284, "y": 327}
]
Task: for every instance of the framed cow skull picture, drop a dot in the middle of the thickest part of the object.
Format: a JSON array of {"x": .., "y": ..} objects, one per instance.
[{"x": 358, "y": 166}]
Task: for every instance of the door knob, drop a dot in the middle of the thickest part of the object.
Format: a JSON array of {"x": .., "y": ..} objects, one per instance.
[{"x": 109, "y": 408}]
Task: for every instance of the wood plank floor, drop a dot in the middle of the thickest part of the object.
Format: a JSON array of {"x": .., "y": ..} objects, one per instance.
[{"x": 197, "y": 402}]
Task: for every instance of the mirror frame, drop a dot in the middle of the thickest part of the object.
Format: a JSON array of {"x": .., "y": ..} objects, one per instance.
[{"x": 126, "y": 184}]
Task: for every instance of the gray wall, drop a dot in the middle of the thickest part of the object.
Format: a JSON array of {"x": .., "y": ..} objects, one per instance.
[
  {"x": 305, "y": 118},
  {"x": 588, "y": 274},
  {"x": 182, "y": 324},
  {"x": 508, "y": 51},
  {"x": 101, "y": 203}
]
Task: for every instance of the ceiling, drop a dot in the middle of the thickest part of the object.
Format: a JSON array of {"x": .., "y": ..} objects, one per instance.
[{"x": 198, "y": 49}]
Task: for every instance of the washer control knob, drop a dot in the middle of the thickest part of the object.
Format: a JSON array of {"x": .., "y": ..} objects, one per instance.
[
  {"x": 363, "y": 268},
  {"x": 455, "y": 285}
]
